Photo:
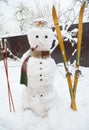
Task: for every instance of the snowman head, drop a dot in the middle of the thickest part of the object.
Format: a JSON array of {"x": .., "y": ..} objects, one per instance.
[{"x": 40, "y": 39}]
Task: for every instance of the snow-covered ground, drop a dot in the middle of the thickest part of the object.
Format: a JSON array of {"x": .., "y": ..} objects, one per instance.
[{"x": 68, "y": 119}]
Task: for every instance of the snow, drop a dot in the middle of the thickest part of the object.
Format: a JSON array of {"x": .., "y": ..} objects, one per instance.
[
  {"x": 68, "y": 119},
  {"x": 27, "y": 120}
]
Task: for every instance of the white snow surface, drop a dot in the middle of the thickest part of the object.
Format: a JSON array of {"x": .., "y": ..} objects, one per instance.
[{"x": 27, "y": 120}]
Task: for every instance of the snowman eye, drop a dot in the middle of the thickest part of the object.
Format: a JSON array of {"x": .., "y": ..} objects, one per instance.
[
  {"x": 37, "y": 36},
  {"x": 46, "y": 36}
]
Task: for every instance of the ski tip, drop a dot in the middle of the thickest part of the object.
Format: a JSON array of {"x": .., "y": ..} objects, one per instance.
[
  {"x": 53, "y": 10},
  {"x": 83, "y": 5},
  {"x": 54, "y": 14},
  {"x": 81, "y": 12},
  {"x": 53, "y": 7}
]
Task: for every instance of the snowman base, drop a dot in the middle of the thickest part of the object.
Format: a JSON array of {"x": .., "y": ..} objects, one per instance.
[{"x": 39, "y": 103}]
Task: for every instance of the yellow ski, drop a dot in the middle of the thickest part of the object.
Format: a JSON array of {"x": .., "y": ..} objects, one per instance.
[
  {"x": 80, "y": 28},
  {"x": 61, "y": 43}
]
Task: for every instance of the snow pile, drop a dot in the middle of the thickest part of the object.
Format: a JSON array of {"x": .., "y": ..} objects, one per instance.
[{"x": 68, "y": 119}]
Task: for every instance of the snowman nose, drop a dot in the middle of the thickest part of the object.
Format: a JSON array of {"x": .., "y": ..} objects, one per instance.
[{"x": 33, "y": 49}]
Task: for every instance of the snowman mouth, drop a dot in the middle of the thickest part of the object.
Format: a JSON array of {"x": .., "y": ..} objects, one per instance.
[{"x": 34, "y": 48}]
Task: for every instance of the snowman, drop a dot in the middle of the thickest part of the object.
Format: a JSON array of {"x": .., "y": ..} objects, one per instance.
[{"x": 38, "y": 73}]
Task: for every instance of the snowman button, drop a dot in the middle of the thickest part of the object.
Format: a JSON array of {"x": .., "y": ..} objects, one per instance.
[
  {"x": 40, "y": 79},
  {"x": 40, "y": 74},
  {"x": 41, "y": 95},
  {"x": 40, "y": 62}
]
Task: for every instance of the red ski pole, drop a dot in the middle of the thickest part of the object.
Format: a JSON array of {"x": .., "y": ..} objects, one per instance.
[{"x": 4, "y": 57}]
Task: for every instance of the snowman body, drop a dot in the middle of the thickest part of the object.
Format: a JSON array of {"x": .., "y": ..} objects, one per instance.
[{"x": 40, "y": 94}]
